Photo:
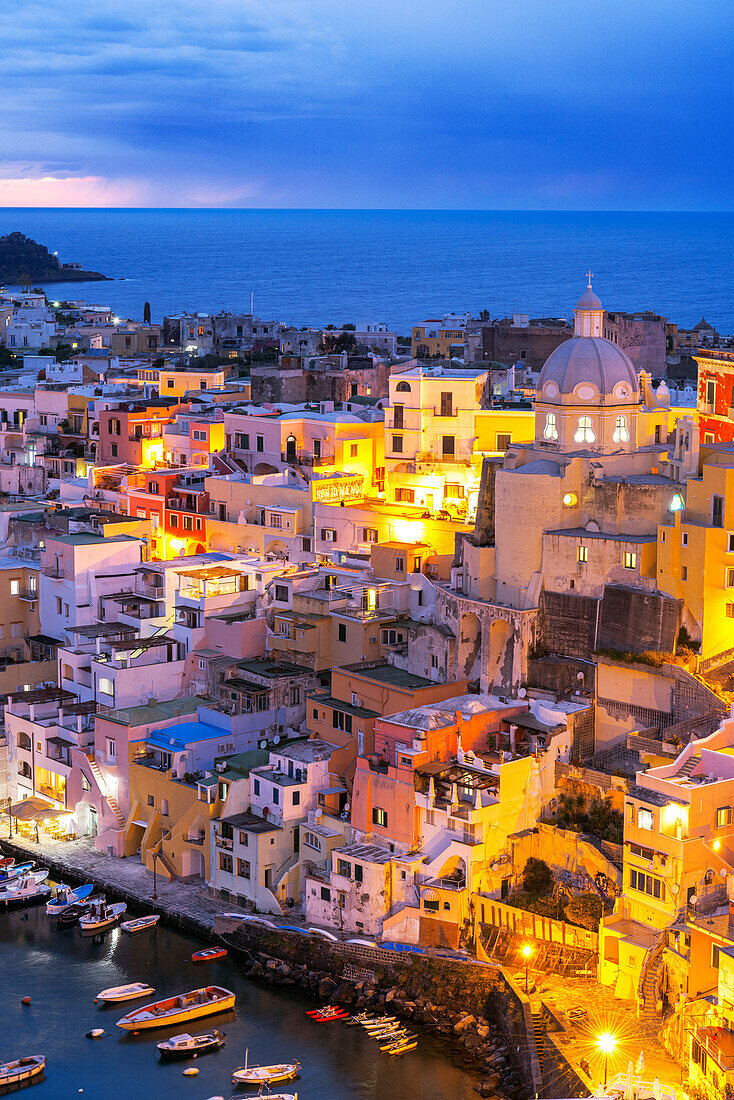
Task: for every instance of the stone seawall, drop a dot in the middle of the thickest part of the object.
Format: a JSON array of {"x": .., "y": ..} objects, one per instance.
[{"x": 477, "y": 1004}]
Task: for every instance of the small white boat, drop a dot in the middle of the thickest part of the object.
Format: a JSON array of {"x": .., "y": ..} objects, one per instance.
[
  {"x": 265, "y": 1075},
  {"x": 125, "y": 992},
  {"x": 14, "y": 871},
  {"x": 140, "y": 924},
  {"x": 101, "y": 917},
  {"x": 64, "y": 896},
  {"x": 23, "y": 893},
  {"x": 189, "y": 1046},
  {"x": 37, "y": 876},
  {"x": 23, "y": 1069}
]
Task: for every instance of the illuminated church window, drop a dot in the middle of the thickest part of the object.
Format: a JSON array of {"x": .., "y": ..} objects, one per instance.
[
  {"x": 621, "y": 433},
  {"x": 550, "y": 431},
  {"x": 585, "y": 431}
]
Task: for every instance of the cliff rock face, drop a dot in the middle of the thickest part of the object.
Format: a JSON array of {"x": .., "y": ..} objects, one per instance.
[{"x": 22, "y": 259}]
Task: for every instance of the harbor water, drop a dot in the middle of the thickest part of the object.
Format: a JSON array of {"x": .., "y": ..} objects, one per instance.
[{"x": 62, "y": 972}]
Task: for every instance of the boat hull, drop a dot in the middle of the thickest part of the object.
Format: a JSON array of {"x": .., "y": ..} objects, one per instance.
[
  {"x": 266, "y": 1075},
  {"x": 144, "y": 1019},
  {"x": 119, "y": 994},
  {"x": 24, "y": 901},
  {"x": 24, "y": 1069},
  {"x": 211, "y": 1043}
]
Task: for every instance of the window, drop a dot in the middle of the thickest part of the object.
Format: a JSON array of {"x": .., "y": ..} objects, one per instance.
[
  {"x": 583, "y": 553},
  {"x": 715, "y": 956},
  {"x": 306, "y": 542},
  {"x": 325, "y": 893},
  {"x": 646, "y": 884},
  {"x": 341, "y": 721},
  {"x": 397, "y": 416},
  {"x": 242, "y": 441},
  {"x": 86, "y": 785},
  {"x": 448, "y": 446},
  {"x": 630, "y": 560},
  {"x": 105, "y": 686},
  {"x": 379, "y": 817},
  {"x": 14, "y": 588},
  {"x": 187, "y": 523},
  {"x": 276, "y": 796},
  {"x": 454, "y": 491},
  {"x": 315, "y": 714},
  {"x": 645, "y": 819},
  {"x": 113, "y": 450},
  {"x": 243, "y": 868},
  {"x": 353, "y": 449},
  {"x": 710, "y": 392},
  {"x": 504, "y": 440},
  {"x": 260, "y": 443},
  {"x": 397, "y": 444},
  {"x": 164, "y": 807},
  {"x": 585, "y": 432},
  {"x": 730, "y": 577},
  {"x": 550, "y": 431},
  {"x": 399, "y": 563},
  {"x": 328, "y": 534},
  {"x": 169, "y": 383},
  {"x": 369, "y": 534},
  {"x": 344, "y": 867},
  {"x": 620, "y": 433},
  {"x": 730, "y": 611},
  {"x": 111, "y": 747},
  {"x": 717, "y": 511},
  {"x": 226, "y": 863},
  {"x": 730, "y": 542},
  {"x": 684, "y": 572},
  {"x": 312, "y": 841},
  {"x": 151, "y": 800},
  {"x": 342, "y": 632},
  {"x": 296, "y": 798},
  {"x": 153, "y": 487},
  {"x": 447, "y": 404},
  {"x": 724, "y": 816},
  {"x": 358, "y": 872},
  {"x": 58, "y": 605},
  {"x": 405, "y": 496},
  {"x": 281, "y": 593},
  {"x": 174, "y": 519},
  {"x": 276, "y": 520},
  {"x": 256, "y": 786},
  {"x": 684, "y": 538}
]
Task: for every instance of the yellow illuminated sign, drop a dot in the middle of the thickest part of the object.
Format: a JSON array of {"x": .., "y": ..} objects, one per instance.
[{"x": 338, "y": 490}]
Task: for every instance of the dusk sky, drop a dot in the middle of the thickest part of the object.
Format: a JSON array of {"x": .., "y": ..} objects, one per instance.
[{"x": 585, "y": 104}]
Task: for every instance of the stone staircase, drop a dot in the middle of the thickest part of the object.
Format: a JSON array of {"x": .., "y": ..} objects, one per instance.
[
  {"x": 646, "y": 1010},
  {"x": 689, "y": 766},
  {"x": 539, "y": 1031},
  {"x": 102, "y": 784}
]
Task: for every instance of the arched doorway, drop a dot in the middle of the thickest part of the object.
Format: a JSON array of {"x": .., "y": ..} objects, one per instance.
[
  {"x": 193, "y": 864},
  {"x": 499, "y": 660},
  {"x": 290, "y": 449},
  {"x": 470, "y": 646}
]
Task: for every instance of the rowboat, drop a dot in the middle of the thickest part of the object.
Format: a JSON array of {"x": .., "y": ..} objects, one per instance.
[
  {"x": 6, "y": 862},
  {"x": 70, "y": 916},
  {"x": 140, "y": 924},
  {"x": 23, "y": 1069},
  {"x": 265, "y": 1075},
  {"x": 189, "y": 1046},
  {"x": 101, "y": 917},
  {"x": 175, "y": 1010},
  {"x": 125, "y": 992},
  {"x": 66, "y": 896},
  {"x": 402, "y": 1047},
  {"x": 208, "y": 954},
  {"x": 24, "y": 893},
  {"x": 330, "y": 1015}
]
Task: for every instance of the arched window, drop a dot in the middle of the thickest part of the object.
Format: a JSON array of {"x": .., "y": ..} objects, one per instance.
[
  {"x": 621, "y": 433},
  {"x": 585, "y": 432},
  {"x": 403, "y": 387},
  {"x": 550, "y": 431}
]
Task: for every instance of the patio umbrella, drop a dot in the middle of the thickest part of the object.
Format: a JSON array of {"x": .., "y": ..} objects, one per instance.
[
  {"x": 657, "y": 1090},
  {"x": 641, "y": 1062},
  {"x": 629, "y": 1087}
]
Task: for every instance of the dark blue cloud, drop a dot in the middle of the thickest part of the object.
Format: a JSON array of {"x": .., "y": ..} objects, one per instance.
[{"x": 477, "y": 103}]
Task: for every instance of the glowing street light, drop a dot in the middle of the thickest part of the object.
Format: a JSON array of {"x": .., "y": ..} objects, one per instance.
[
  {"x": 607, "y": 1045},
  {"x": 527, "y": 952}
]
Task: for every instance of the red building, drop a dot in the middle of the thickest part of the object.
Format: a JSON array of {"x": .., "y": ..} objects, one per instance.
[{"x": 715, "y": 395}]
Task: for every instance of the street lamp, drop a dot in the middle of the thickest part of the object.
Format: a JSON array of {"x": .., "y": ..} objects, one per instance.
[
  {"x": 155, "y": 884},
  {"x": 527, "y": 952},
  {"x": 9, "y": 804},
  {"x": 607, "y": 1045}
]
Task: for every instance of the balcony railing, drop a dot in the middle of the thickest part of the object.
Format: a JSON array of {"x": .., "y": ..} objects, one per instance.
[
  {"x": 224, "y": 842},
  {"x": 28, "y": 594}
]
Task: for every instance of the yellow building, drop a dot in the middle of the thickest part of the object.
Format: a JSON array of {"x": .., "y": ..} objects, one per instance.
[
  {"x": 436, "y": 337},
  {"x": 696, "y": 553},
  {"x": 177, "y": 383}
]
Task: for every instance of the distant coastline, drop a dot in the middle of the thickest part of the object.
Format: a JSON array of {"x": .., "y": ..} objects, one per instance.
[{"x": 23, "y": 260}]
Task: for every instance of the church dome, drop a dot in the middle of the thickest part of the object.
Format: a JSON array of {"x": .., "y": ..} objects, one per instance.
[
  {"x": 588, "y": 300},
  {"x": 588, "y": 367}
]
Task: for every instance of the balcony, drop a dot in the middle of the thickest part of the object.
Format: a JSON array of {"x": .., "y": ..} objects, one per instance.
[
  {"x": 57, "y": 573},
  {"x": 30, "y": 595},
  {"x": 224, "y": 842}
]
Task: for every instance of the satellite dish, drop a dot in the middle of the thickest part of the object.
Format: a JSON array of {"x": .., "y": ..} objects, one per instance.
[
  {"x": 263, "y": 744},
  {"x": 318, "y": 814},
  {"x": 276, "y": 739},
  {"x": 521, "y": 693}
]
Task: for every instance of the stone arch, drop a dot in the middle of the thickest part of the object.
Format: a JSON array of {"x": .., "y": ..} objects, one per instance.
[
  {"x": 192, "y": 864},
  {"x": 219, "y": 541},
  {"x": 199, "y": 549},
  {"x": 499, "y": 656},
  {"x": 264, "y": 468},
  {"x": 402, "y": 387},
  {"x": 470, "y": 645},
  {"x": 278, "y": 548}
]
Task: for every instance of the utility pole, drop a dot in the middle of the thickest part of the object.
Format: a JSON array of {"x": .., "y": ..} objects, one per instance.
[{"x": 155, "y": 884}]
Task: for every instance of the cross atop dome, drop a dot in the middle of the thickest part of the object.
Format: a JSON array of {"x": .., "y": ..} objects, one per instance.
[{"x": 589, "y": 277}]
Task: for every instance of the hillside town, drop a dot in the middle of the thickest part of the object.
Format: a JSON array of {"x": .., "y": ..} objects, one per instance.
[{"x": 421, "y": 639}]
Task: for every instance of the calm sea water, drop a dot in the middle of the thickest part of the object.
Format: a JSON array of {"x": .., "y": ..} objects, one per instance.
[
  {"x": 63, "y": 972},
  {"x": 317, "y": 267}
]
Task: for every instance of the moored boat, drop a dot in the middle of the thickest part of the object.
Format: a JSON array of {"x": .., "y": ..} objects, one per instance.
[
  {"x": 64, "y": 896},
  {"x": 140, "y": 924},
  {"x": 21, "y": 1070},
  {"x": 70, "y": 916},
  {"x": 402, "y": 1047},
  {"x": 330, "y": 1015},
  {"x": 125, "y": 992},
  {"x": 257, "y": 1076},
  {"x": 24, "y": 893},
  {"x": 209, "y": 954},
  {"x": 101, "y": 917},
  {"x": 174, "y": 1010},
  {"x": 38, "y": 876},
  {"x": 189, "y": 1046},
  {"x": 14, "y": 871}
]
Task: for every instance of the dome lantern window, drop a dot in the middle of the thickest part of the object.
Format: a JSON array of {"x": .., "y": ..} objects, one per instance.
[
  {"x": 585, "y": 432},
  {"x": 621, "y": 432},
  {"x": 550, "y": 431}
]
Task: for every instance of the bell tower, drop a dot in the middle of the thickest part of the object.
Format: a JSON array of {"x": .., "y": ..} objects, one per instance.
[{"x": 588, "y": 315}]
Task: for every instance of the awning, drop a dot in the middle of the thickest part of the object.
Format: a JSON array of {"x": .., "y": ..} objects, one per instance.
[
  {"x": 35, "y": 809},
  {"x": 430, "y": 894}
]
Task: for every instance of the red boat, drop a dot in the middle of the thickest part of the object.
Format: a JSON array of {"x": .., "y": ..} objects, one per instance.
[
  {"x": 209, "y": 954},
  {"x": 332, "y": 1013}
]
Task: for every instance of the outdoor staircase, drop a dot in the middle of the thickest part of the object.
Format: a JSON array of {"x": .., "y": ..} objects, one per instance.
[
  {"x": 646, "y": 1010},
  {"x": 166, "y": 862},
  {"x": 102, "y": 784},
  {"x": 539, "y": 1031},
  {"x": 687, "y": 768}
]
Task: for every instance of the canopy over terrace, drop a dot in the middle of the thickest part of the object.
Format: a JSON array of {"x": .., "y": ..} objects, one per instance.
[{"x": 34, "y": 809}]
